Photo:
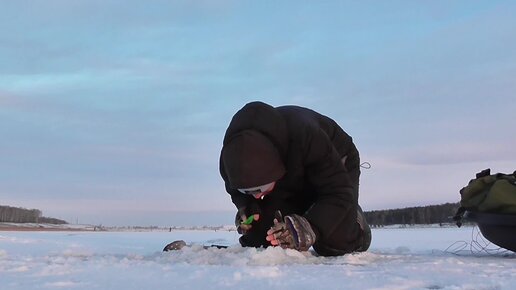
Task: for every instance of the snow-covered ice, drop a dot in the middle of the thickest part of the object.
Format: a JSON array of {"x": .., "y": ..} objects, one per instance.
[{"x": 399, "y": 258}]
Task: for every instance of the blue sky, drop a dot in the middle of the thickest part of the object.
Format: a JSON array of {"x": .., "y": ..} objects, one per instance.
[{"x": 113, "y": 112}]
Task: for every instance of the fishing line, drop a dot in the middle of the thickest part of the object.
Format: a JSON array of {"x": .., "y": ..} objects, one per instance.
[{"x": 478, "y": 246}]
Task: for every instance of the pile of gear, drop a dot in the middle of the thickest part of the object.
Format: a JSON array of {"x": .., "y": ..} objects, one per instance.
[{"x": 489, "y": 200}]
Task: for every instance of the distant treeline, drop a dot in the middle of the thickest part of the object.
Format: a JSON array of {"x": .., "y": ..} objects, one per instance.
[
  {"x": 432, "y": 214},
  {"x": 9, "y": 214}
]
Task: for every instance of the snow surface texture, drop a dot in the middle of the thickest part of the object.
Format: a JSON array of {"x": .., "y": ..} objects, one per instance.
[{"x": 405, "y": 258}]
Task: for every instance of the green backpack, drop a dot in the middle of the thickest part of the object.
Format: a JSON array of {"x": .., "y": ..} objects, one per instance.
[{"x": 488, "y": 194}]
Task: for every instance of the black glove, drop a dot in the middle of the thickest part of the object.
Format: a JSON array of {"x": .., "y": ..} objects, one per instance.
[
  {"x": 239, "y": 218},
  {"x": 292, "y": 232}
]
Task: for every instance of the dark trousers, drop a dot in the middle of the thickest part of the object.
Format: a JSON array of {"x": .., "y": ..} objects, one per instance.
[{"x": 339, "y": 244}]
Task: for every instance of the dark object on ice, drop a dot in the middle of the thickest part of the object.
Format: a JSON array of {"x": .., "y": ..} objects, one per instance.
[
  {"x": 179, "y": 244},
  {"x": 489, "y": 200},
  {"x": 499, "y": 229},
  {"x": 174, "y": 246}
]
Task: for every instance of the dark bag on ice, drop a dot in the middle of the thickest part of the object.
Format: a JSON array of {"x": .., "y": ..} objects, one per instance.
[{"x": 489, "y": 200}]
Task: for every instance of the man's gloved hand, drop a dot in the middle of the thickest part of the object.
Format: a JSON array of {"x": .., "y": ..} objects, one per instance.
[
  {"x": 240, "y": 218},
  {"x": 292, "y": 232}
]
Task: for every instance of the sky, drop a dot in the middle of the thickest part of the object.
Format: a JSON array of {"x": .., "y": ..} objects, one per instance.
[{"x": 113, "y": 112}]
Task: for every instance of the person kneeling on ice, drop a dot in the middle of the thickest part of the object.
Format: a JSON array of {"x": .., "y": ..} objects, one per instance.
[{"x": 297, "y": 162}]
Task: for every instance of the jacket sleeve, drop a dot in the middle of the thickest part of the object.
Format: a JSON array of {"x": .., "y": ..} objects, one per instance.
[{"x": 334, "y": 200}]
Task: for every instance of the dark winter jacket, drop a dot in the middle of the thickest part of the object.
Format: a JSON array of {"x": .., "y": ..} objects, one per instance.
[{"x": 311, "y": 146}]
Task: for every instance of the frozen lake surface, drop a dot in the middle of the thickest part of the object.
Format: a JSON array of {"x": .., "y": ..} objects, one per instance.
[{"x": 399, "y": 258}]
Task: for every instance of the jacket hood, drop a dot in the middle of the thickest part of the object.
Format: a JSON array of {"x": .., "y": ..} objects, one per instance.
[
  {"x": 255, "y": 146},
  {"x": 263, "y": 118},
  {"x": 251, "y": 160}
]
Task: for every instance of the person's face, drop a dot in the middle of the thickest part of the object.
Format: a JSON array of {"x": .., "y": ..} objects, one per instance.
[{"x": 260, "y": 191}]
